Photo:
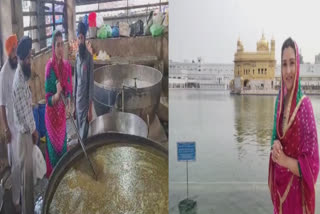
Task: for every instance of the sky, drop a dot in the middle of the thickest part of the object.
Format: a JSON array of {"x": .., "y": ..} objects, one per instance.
[{"x": 210, "y": 28}]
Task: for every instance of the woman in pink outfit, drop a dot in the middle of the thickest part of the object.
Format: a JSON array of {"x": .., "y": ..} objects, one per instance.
[{"x": 294, "y": 159}]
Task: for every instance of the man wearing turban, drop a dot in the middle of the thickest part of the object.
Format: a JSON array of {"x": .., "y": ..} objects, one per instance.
[
  {"x": 6, "y": 114},
  {"x": 83, "y": 91},
  {"x": 23, "y": 117}
]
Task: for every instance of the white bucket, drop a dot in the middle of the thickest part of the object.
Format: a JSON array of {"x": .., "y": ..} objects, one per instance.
[{"x": 92, "y": 32}]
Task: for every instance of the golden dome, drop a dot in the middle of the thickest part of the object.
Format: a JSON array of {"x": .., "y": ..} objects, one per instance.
[
  {"x": 239, "y": 45},
  {"x": 263, "y": 44}
]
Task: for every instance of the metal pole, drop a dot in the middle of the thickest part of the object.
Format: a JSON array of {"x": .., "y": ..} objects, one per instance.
[
  {"x": 53, "y": 16},
  {"x": 128, "y": 11},
  {"x": 80, "y": 139},
  {"x": 122, "y": 99},
  {"x": 187, "y": 182}
]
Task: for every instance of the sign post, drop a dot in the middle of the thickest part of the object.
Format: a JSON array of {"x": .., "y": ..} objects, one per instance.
[
  {"x": 187, "y": 182},
  {"x": 186, "y": 152}
]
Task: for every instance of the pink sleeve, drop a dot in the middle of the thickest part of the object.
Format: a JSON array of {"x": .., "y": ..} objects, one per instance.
[{"x": 48, "y": 83}]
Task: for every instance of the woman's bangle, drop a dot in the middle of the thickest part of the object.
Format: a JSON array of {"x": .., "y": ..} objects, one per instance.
[{"x": 55, "y": 99}]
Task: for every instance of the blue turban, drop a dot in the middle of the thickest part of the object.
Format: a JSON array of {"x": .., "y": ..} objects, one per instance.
[
  {"x": 24, "y": 47},
  {"x": 82, "y": 29}
]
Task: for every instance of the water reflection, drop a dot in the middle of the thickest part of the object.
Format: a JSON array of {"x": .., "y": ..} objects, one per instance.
[
  {"x": 253, "y": 123},
  {"x": 196, "y": 95},
  {"x": 233, "y": 145}
]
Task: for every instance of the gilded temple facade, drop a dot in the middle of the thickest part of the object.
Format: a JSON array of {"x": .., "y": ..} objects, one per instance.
[{"x": 255, "y": 70}]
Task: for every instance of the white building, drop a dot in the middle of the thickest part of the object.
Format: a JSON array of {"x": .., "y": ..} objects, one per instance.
[
  {"x": 317, "y": 59},
  {"x": 200, "y": 75},
  {"x": 218, "y": 76}
]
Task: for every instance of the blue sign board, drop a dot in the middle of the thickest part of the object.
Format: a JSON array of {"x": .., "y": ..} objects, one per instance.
[{"x": 186, "y": 151}]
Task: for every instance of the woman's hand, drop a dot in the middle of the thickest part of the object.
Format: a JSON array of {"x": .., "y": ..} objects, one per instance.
[
  {"x": 281, "y": 158},
  {"x": 56, "y": 96},
  {"x": 59, "y": 89},
  {"x": 276, "y": 150},
  {"x": 278, "y": 155}
]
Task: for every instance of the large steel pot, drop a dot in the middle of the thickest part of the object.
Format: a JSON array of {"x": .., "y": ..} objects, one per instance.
[
  {"x": 132, "y": 88},
  {"x": 120, "y": 122},
  {"x": 137, "y": 170}
]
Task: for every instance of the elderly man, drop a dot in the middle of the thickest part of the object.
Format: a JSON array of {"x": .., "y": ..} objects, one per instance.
[
  {"x": 6, "y": 112},
  {"x": 83, "y": 90},
  {"x": 24, "y": 121}
]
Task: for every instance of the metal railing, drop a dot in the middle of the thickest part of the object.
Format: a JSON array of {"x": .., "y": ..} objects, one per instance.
[
  {"x": 41, "y": 16},
  {"x": 125, "y": 15}
]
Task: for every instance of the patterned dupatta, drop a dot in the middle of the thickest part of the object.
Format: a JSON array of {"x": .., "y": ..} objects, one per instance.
[{"x": 294, "y": 103}]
